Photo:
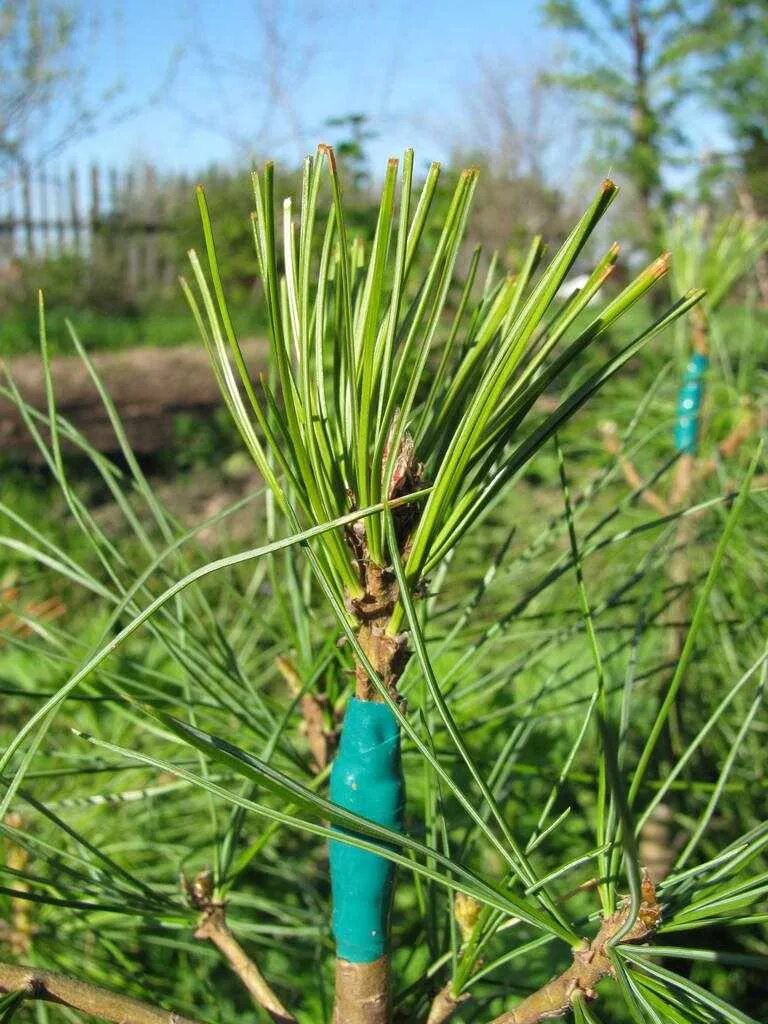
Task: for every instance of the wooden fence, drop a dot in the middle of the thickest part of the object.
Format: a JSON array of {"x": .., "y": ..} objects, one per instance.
[{"x": 97, "y": 214}]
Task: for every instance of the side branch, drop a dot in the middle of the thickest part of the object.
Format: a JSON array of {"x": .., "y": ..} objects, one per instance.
[
  {"x": 591, "y": 964},
  {"x": 213, "y": 927},
  {"x": 321, "y": 741},
  {"x": 612, "y": 445},
  {"x": 444, "y": 1005},
  {"x": 78, "y": 995}
]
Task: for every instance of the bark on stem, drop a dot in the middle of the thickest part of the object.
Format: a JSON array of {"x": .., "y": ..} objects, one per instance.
[
  {"x": 612, "y": 445},
  {"x": 444, "y": 1005},
  {"x": 362, "y": 992},
  {"x": 590, "y": 965},
  {"x": 387, "y": 654},
  {"x": 362, "y": 989},
  {"x": 213, "y": 927},
  {"x": 79, "y": 995}
]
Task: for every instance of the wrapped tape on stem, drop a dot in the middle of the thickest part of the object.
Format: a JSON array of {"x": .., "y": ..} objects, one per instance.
[
  {"x": 689, "y": 405},
  {"x": 366, "y": 778}
]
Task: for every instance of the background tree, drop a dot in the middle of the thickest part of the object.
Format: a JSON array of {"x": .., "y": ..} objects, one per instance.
[
  {"x": 46, "y": 102},
  {"x": 627, "y": 57},
  {"x": 508, "y": 133},
  {"x": 352, "y": 133},
  {"x": 731, "y": 40},
  {"x": 35, "y": 41},
  {"x": 287, "y": 53}
]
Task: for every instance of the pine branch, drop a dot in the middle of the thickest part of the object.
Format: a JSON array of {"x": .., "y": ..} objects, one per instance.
[
  {"x": 590, "y": 965},
  {"x": 362, "y": 992},
  {"x": 444, "y": 1005},
  {"x": 213, "y": 927},
  {"x": 612, "y": 445},
  {"x": 79, "y": 995}
]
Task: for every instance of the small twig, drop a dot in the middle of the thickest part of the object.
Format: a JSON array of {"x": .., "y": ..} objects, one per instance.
[
  {"x": 213, "y": 927},
  {"x": 467, "y": 912},
  {"x": 321, "y": 741},
  {"x": 79, "y": 995},
  {"x": 634, "y": 480},
  {"x": 590, "y": 965},
  {"x": 746, "y": 427},
  {"x": 445, "y": 1004}
]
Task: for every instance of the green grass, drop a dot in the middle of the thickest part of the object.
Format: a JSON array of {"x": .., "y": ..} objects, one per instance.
[{"x": 164, "y": 326}]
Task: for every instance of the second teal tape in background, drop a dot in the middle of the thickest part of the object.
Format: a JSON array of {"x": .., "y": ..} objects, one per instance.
[
  {"x": 366, "y": 778},
  {"x": 689, "y": 405}
]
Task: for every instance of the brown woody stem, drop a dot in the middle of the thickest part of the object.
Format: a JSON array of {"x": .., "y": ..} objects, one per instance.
[
  {"x": 362, "y": 989},
  {"x": 387, "y": 654},
  {"x": 612, "y": 445},
  {"x": 214, "y": 928},
  {"x": 590, "y": 965},
  {"x": 88, "y": 999},
  {"x": 362, "y": 992},
  {"x": 699, "y": 330},
  {"x": 444, "y": 1005}
]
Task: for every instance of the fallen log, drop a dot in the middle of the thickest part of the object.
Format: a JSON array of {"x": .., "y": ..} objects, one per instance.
[{"x": 149, "y": 386}]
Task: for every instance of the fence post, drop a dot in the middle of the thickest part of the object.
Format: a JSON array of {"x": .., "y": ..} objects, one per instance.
[
  {"x": 108, "y": 216},
  {"x": 26, "y": 203},
  {"x": 94, "y": 215},
  {"x": 61, "y": 216},
  {"x": 44, "y": 212},
  {"x": 74, "y": 209},
  {"x": 10, "y": 217},
  {"x": 150, "y": 205},
  {"x": 132, "y": 234}
]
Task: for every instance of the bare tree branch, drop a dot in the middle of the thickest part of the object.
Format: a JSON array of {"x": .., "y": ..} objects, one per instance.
[
  {"x": 214, "y": 928},
  {"x": 444, "y": 1005}
]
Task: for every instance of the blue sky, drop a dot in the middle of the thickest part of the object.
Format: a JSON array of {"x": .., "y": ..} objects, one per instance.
[
  {"x": 407, "y": 65},
  {"x": 197, "y": 78}
]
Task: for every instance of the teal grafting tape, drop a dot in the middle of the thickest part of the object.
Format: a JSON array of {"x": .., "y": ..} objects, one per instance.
[
  {"x": 366, "y": 778},
  {"x": 689, "y": 405}
]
